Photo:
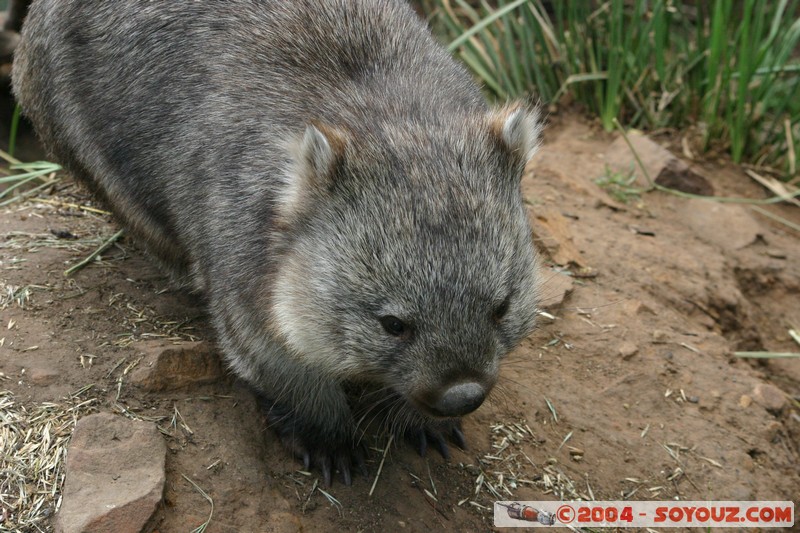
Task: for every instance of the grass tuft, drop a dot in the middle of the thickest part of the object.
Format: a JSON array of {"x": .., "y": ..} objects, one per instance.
[
  {"x": 730, "y": 68},
  {"x": 17, "y": 175},
  {"x": 33, "y": 447}
]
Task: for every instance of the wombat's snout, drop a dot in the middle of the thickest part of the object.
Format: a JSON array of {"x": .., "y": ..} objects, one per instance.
[{"x": 459, "y": 399}]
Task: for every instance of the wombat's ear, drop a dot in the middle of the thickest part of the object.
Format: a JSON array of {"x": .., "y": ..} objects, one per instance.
[
  {"x": 517, "y": 128},
  {"x": 309, "y": 177}
]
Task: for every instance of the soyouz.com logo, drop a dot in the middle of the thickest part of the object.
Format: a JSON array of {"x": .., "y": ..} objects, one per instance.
[{"x": 728, "y": 514}]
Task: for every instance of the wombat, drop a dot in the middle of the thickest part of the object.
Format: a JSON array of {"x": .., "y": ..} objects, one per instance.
[{"x": 326, "y": 175}]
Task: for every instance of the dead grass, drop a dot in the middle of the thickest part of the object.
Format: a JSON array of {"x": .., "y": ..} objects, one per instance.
[
  {"x": 33, "y": 449},
  {"x": 502, "y": 471},
  {"x": 141, "y": 322}
]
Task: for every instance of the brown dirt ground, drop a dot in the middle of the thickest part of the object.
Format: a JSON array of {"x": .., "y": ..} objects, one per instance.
[{"x": 670, "y": 280}]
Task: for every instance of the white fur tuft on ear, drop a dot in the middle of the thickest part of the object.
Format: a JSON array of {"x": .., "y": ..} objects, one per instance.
[
  {"x": 316, "y": 150},
  {"x": 519, "y": 129},
  {"x": 307, "y": 178}
]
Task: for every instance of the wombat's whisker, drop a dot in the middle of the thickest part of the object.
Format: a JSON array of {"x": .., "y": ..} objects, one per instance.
[
  {"x": 382, "y": 405},
  {"x": 500, "y": 396},
  {"x": 517, "y": 383}
]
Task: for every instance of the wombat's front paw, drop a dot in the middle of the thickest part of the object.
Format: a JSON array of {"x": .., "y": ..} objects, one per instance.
[
  {"x": 316, "y": 447},
  {"x": 437, "y": 434}
]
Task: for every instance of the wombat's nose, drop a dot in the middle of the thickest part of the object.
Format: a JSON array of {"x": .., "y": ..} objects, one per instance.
[{"x": 460, "y": 399}]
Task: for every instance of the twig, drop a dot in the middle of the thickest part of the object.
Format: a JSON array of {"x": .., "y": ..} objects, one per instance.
[
  {"x": 766, "y": 355},
  {"x": 103, "y": 247},
  {"x": 721, "y": 199},
  {"x": 202, "y": 527},
  {"x": 776, "y": 218},
  {"x": 380, "y": 466},
  {"x": 73, "y": 206}
]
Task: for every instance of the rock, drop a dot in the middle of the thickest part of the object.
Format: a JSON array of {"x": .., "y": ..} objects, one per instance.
[
  {"x": 745, "y": 401},
  {"x": 660, "y": 336},
  {"x": 662, "y": 166},
  {"x": 772, "y": 431},
  {"x": 627, "y": 350},
  {"x": 555, "y": 288},
  {"x": 42, "y": 376},
  {"x": 284, "y": 522},
  {"x": 634, "y": 307},
  {"x": 114, "y": 476},
  {"x": 175, "y": 366},
  {"x": 552, "y": 230},
  {"x": 8, "y": 43},
  {"x": 769, "y": 397},
  {"x": 730, "y": 227},
  {"x": 740, "y": 493}
]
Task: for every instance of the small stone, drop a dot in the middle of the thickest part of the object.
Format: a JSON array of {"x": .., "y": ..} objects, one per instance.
[
  {"x": 627, "y": 350},
  {"x": 773, "y": 431},
  {"x": 743, "y": 460},
  {"x": 637, "y": 307},
  {"x": 693, "y": 399},
  {"x": 176, "y": 366},
  {"x": 42, "y": 376},
  {"x": 741, "y": 493},
  {"x": 284, "y": 522},
  {"x": 660, "y": 336},
  {"x": 776, "y": 254},
  {"x": 745, "y": 401},
  {"x": 114, "y": 476},
  {"x": 769, "y": 397}
]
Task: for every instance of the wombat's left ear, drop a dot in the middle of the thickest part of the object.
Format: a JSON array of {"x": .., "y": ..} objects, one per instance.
[
  {"x": 308, "y": 180},
  {"x": 518, "y": 128}
]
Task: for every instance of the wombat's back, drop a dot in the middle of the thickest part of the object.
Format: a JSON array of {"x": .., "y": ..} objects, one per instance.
[{"x": 174, "y": 110}]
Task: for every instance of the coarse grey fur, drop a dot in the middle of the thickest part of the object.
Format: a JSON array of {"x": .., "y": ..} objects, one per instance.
[{"x": 313, "y": 167}]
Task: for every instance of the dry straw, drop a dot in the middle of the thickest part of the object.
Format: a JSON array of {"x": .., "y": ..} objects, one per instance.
[{"x": 33, "y": 449}]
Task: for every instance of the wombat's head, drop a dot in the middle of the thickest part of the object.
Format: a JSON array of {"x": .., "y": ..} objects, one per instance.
[{"x": 408, "y": 255}]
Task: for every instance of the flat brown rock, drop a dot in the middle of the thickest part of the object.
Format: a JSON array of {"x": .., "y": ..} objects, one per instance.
[
  {"x": 627, "y": 349},
  {"x": 769, "y": 397},
  {"x": 175, "y": 366},
  {"x": 662, "y": 166},
  {"x": 730, "y": 227},
  {"x": 552, "y": 230},
  {"x": 115, "y": 476}
]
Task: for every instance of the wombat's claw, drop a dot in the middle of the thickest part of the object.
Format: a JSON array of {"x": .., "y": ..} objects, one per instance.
[
  {"x": 343, "y": 460},
  {"x": 437, "y": 437},
  {"x": 341, "y": 456},
  {"x": 457, "y": 435}
]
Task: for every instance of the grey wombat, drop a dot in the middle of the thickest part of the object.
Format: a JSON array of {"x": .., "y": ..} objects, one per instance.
[{"x": 326, "y": 174}]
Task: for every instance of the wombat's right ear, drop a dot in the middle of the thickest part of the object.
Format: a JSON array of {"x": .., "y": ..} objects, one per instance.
[
  {"x": 309, "y": 176},
  {"x": 518, "y": 129}
]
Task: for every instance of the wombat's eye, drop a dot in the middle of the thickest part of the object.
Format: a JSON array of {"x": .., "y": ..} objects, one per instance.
[
  {"x": 501, "y": 310},
  {"x": 394, "y": 326}
]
